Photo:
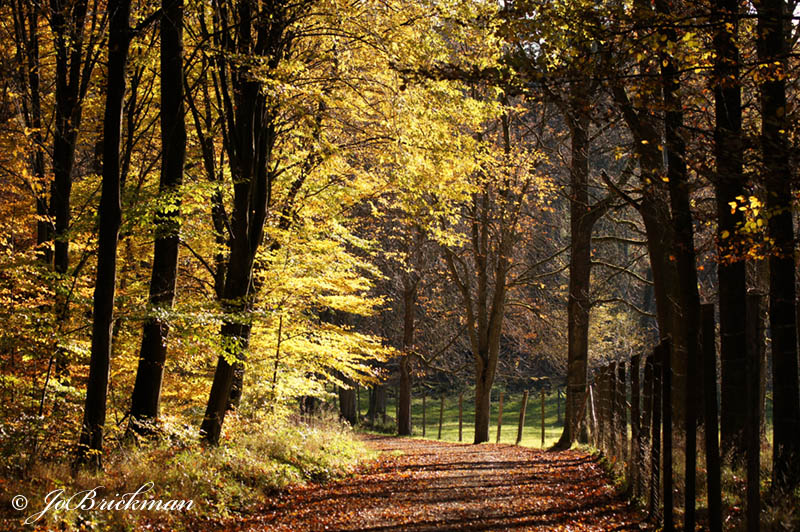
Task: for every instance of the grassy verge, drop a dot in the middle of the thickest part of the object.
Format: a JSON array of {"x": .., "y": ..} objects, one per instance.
[{"x": 254, "y": 460}]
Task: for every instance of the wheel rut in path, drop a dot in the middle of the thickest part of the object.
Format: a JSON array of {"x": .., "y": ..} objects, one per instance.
[{"x": 447, "y": 486}]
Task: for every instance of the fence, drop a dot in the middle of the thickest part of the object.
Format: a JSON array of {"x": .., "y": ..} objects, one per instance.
[{"x": 627, "y": 413}]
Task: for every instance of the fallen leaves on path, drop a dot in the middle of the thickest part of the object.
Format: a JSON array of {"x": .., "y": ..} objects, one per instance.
[{"x": 446, "y": 486}]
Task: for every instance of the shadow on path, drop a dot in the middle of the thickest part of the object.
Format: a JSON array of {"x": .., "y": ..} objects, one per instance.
[{"x": 445, "y": 486}]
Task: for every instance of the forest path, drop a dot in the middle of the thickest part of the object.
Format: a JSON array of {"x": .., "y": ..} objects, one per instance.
[{"x": 446, "y": 486}]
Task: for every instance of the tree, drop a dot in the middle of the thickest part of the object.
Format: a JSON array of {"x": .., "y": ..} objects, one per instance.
[
  {"x": 730, "y": 184},
  {"x": 90, "y": 447},
  {"x": 771, "y": 45},
  {"x": 147, "y": 389}
]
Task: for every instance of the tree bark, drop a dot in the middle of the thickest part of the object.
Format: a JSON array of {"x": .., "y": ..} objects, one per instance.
[
  {"x": 347, "y": 405},
  {"x": 147, "y": 388},
  {"x": 730, "y": 183},
  {"x": 90, "y": 447},
  {"x": 251, "y": 135},
  {"x": 578, "y": 303},
  {"x": 772, "y": 47},
  {"x": 409, "y": 313}
]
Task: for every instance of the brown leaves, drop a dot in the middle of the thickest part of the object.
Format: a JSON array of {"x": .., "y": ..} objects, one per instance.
[{"x": 443, "y": 486}]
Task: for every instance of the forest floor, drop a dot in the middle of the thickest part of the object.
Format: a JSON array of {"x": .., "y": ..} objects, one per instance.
[{"x": 420, "y": 485}]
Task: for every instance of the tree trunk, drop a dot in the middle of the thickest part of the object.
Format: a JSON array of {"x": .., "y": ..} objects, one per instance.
[
  {"x": 578, "y": 304},
  {"x": 91, "y": 440},
  {"x": 347, "y": 405},
  {"x": 409, "y": 313},
  {"x": 730, "y": 183},
  {"x": 483, "y": 399},
  {"x": 687, "y": 271},
  {"x": 249, "y": 143},
  {"x": 153, "y": 354},
  {"x": 777, "y": 179}
]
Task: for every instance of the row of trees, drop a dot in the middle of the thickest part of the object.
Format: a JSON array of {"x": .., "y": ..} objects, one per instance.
[{"x": 465, "y": 184}]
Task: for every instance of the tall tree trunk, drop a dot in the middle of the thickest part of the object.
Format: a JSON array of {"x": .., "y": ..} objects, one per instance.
[
  {"x": 730, "y": 183},
  {"x": 409, "y": 312},
  {"x": 578, "y": 303},
  {"x": 153, "y": 354},
  {"x": 687, "y": 271},
  {"x": 91, "y": 441},
  {"x": 772, "y": 49},
  {"x": 249, "y": 142}
]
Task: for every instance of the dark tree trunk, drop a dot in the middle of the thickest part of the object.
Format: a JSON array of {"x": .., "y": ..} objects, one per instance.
[
  {"x": 409, "y": 314},
  {"x": 483, "y": 397},
  {"x": 583, "y": 216},
  {"x": 772, "y": 49},
  {"x": 67, "y": 23},
  {"x": 347, "y": 405},
  {"x": 251, "y": 122},
  {"x": 578, "y": 304},
  {"x": 91, "y": 440},
  {"x": 687, "y": 272},
  {"x": 153, "y": 354},
  {"x": 730, "y": 183}
]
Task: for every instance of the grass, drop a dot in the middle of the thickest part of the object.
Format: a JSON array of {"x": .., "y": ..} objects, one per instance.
[{"x": 531, "y": 434}]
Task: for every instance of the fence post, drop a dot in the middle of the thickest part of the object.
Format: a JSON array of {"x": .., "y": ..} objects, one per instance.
[
  {"x": 558, "y": 405},
  {"x": 613, "y": 403},
  {"x": 499, "y": 417},
  {"x": 655, "y": 439},
  {"x": 593, "y": 411},
  {"x": 522, "y": 416},
  {"x": 712, "y": 427},
  {"x": 622, "y": 410},
  {"x": 753, "y": 365},
  {"x": 441, "y": 417},
  {"x": 423, "y": 412},
  {"x": 542, "y": 417},
  {"x": 666, "y": 417},
  {"x": 608, "y": 410},
  {"x": 460, "y": 414},
  {"x": 601, "y": 419},
  {"x": 636, "y": 444}
]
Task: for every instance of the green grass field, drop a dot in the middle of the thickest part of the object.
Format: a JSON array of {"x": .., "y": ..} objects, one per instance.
[{"x": 531, "y": 434}]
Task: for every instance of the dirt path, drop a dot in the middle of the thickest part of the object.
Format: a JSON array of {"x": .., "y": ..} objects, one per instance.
[{"x": 445, "y": 486}]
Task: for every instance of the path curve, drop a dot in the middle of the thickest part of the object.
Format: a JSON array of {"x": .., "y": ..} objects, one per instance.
[{"x": 446, "y": 486}]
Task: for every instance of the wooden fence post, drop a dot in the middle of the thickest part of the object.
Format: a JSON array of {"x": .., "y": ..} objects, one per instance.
[
  {"x": 712, "y": 427},
  {"x": 423, "y": 413},
  {"x": 608, "y": 410},
  {"x": 622, "y": 410},
  {"x": 558, "y": 405},
  {"x": 460, "y": 414},
  {"x": 601, "y": 419},
  {"x": 613, "y": 403},
  {"x": 753, "y": 366},
  {"x": 542, "y": 417},
  {"x": 441, "y": 417},
  {"x": 636, "y": 444},
  {"x": 666, "y": 417},
  {"x": 499, "y": 417},
  {"x": 655, "y": 439},
  {"x": 522, "y": 416},
  {"x": 593, "y": 411}
]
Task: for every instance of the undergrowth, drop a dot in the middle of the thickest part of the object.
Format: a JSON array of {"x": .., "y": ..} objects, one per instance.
[{"x": 254, "y": 459}]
